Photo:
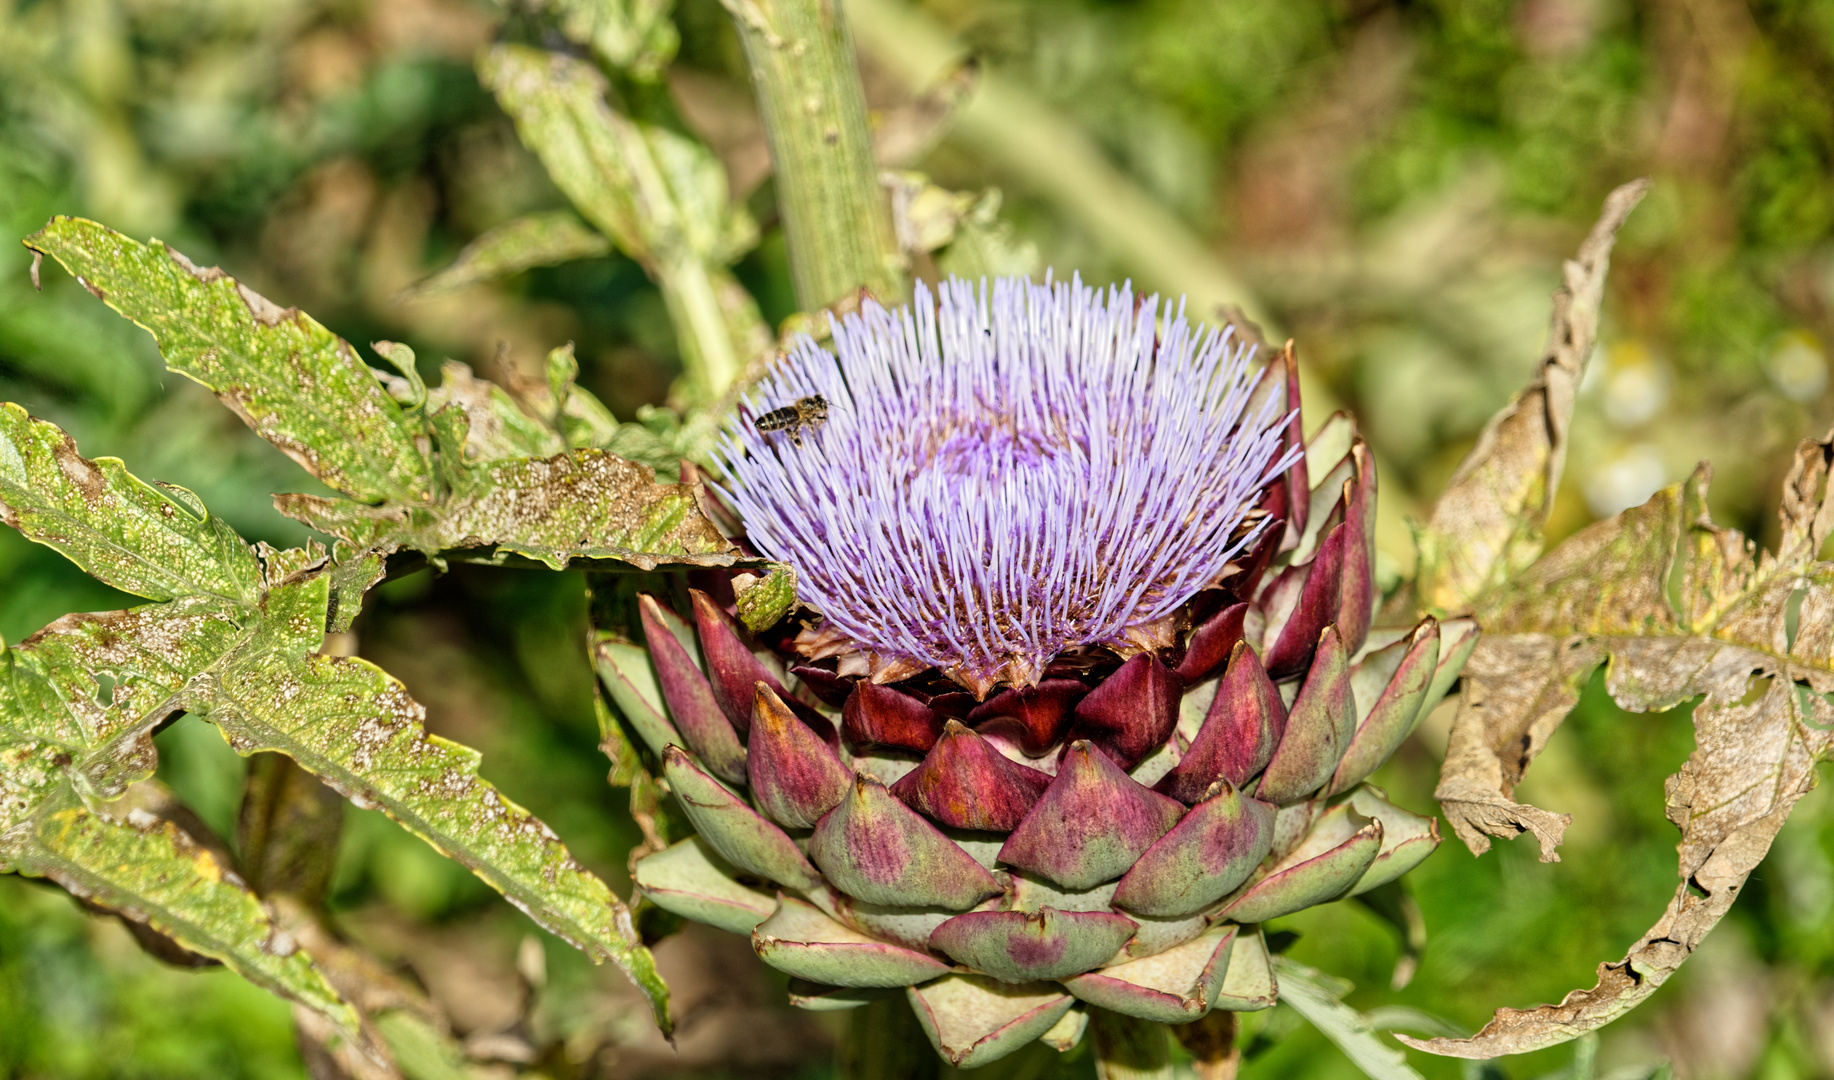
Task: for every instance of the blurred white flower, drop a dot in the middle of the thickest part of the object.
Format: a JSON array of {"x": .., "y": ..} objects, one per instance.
[
  {"x": 1798, "y": 365},
  {"x": 1627, "y": 480},
  {"x": 1635, "y": 383}
]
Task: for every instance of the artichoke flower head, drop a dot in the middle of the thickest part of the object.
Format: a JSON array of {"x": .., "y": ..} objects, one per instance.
[
  {"x": 1087, "y": 689},
  {"x": 997, "y": 484}
]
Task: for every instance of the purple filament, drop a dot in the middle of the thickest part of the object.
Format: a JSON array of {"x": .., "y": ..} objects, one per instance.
[{"x": 999, "y": 482}]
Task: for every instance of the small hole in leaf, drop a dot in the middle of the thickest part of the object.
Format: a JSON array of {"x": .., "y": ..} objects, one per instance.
[
  {"x": 1757, "y": 684},
  {"x": 105, "y": 689},
  {"x": 1792, "y": 617}
]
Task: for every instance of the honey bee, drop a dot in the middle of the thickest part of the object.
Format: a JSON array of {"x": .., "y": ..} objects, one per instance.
[{"x": 806, "y": 413}]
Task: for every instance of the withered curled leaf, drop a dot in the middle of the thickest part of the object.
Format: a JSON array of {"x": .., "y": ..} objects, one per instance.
[
  {"x": 1486, "y": 525},
  {"x": 1676, "y": 607}
]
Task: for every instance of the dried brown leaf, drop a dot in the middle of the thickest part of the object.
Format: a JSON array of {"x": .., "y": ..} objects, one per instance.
[
  {"x": 1487, "y": 524},
  {"x": 1678, "y": 608}
]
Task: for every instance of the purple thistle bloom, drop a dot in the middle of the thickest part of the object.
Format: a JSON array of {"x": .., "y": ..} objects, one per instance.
[{"x": 998, "y": 483}]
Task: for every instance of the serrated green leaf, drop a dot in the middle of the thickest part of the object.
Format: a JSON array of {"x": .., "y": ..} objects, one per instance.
[
  {"x": 589, "y": 504},
  {"x": 536, "y": 240},
  {"x": 155, "y": 543},
  {"x": 267, "y": 689},
  {"x": 88, "y": 689},
  {"x": 152, "y": 872},
  {"x": 584, "y": 505},
  {"x": 355, "y": 727},
  {"x": 510, "y": 486},
  {"x": 297, "y": 384},
  {"x": 79, "y": 699}
]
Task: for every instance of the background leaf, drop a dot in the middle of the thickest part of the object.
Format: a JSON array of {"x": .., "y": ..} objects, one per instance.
[
  {"x": 1307, "y": 992},
  {"x": 660, "y": 197},
  {"x": 536, "y": 240},
  {"x": 657, "y": 195}
]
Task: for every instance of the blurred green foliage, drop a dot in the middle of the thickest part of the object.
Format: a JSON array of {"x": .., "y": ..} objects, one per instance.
[
  {"x": 79, "y": 999},
  {"x": 1397, "y": 182}
]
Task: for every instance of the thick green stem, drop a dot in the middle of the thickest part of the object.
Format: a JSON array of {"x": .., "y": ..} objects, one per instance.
[
  {"x": 885, "y": 1042},
  {"x": 1127, "y": 1048},
  {"x": 836, "y": 218}
]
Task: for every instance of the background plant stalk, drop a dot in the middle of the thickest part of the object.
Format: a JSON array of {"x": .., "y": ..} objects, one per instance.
[{"x": 836, "y": 220}]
